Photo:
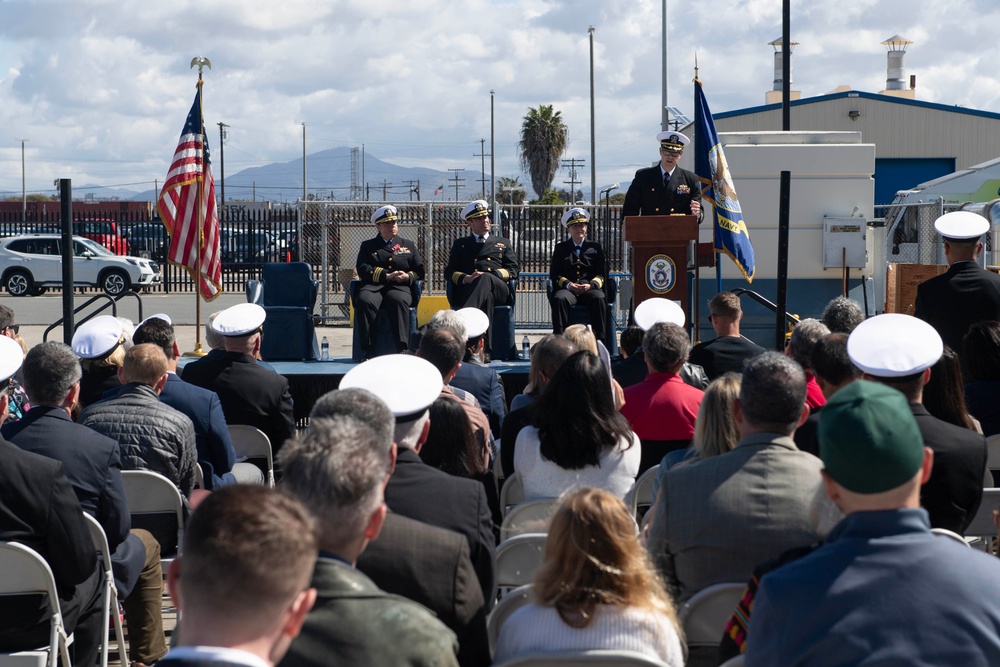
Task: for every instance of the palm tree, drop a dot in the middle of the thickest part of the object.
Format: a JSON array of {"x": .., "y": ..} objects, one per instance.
[
  {"x": 511, "y": 191},
  {"x": 543, "y": 141}
]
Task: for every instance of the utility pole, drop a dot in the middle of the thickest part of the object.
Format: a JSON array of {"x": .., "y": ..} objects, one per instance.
[
  {"x": 385, "y": 190},
  {"x": 456, "y": 180},
  {"x": 303, "y": 161},
  {"x": 482, "y": 154},
  {"x": 493, "y": 165},
  {"x": 664, "y": 120},
  {"x": 222, "y": 165},
  {"x": 24, "y": 191},
  {"x": 573, "y": 180},
  {"x": 593, "y": 131},
  {"x": 413, "y": 187}
]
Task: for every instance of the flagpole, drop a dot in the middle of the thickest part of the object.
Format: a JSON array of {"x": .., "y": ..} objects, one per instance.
[{"x": 201, "y": 62}]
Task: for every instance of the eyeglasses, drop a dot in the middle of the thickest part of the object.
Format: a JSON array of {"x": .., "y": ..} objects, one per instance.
[
  {"x": 710, "y": 316},
  {"x": 15, "y": 328}
]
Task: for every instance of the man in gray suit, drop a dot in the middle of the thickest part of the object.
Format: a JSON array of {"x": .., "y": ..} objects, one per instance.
[{"x": 719, "y": 517}]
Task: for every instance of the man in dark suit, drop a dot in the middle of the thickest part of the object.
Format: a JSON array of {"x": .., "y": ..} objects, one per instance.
[
  {"x": 480, "y": 265},
  {"x": 387, "y": 266},
  {"x": 423, "y": 563},
  {"x": 665, "y": 189},
  {"x": 473, "y": 376},
  {"x": 202, "y": 406},
  {"x": 577, "y": 272},
  {"x": 92, "y": 464},
  {"x": 729, "y": 350},
  {"x": 249, "y": 394},
  {"x": 898, "y": 351},
  {"x": 964, "y": 294}
]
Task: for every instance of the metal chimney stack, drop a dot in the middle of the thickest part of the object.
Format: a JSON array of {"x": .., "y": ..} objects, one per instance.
[
  {"x": 895, "y": 78},
  {"x": 778, "y": 73}
]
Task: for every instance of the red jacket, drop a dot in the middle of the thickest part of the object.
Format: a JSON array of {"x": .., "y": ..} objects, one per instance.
[{"x": 662, "y": 407}]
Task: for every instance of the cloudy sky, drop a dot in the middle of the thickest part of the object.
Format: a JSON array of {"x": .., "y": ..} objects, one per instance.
[{"x": 100, "y": 88}]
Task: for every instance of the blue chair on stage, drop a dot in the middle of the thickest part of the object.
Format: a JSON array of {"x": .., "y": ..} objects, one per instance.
[
  {"x": 287, "y": 291},
  {"x": 504, "y": 346},
  {"x": 382, "y": 337},
  {"x": 578, "y": 314}
]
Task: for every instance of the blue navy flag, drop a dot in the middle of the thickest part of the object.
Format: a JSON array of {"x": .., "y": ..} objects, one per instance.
[{"x": 731, "y": 235}]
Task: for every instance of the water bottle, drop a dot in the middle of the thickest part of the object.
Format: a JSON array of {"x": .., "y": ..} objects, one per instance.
[
  {"x": 525, "y": 348},
  {"x": 324, "y": 347}
]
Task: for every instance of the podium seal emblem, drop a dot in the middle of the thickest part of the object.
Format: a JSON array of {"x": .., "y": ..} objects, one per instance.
[{"x": 661, "y": 274}]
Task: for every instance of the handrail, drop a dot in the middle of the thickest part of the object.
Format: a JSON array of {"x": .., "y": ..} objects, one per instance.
[
  {"x": 112, "y": 302},
  {"x": 740, "y": 291}
]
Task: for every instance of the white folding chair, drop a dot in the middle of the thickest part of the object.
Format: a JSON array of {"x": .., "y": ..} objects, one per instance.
[
  {"x": 735, "y": 661},
  {"x": 593, "y": 658},
  {"x": 24, "y": 572},
  {"x": 641, "y": 493},
  {"x": 510, "y": 603},
  {"x": 944, "y": 532},
  {"x": 199, "y": 477},
  {"x": 251, "y": 443},
  {"x": 110, "y": 593},
  {"x": 518, "y": 559},
  {"x": 982, "y": 526},
  {"x": 155, "y": 504},
  {"x": 704, "y": 617},
  {"x": 530, "y": 517},
  {"x": 511, "y": 493}
]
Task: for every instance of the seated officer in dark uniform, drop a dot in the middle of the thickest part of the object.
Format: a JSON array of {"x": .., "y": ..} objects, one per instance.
[
  {"x": 664, "y": 189},
  {"x": 577, "y": 274},
  {"x": 387, "y": 264},
  {"x": 480, "y": 265}
]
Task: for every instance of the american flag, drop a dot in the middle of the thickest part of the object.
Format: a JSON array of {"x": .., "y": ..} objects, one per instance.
[
  {"x": 439, "y": 190},
  {"x": 187, "y": 206}
]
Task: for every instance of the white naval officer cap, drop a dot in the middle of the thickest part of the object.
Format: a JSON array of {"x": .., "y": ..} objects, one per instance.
[
  {"x": 407, "y": 384},
  {"x": 98, "y": 337},
  {"x": 157, "y": 316},
  {"x": 575, "y": 216},
  {"x": 240, "y": 320},
  {"x": 385, "y": 214},
  {"x": 476, "y": 209},
  {"x": 11, "y": 357},
  {"x": 655, "y": 310},
  {"x": 894, "y": 345},
  {"x": 672, "y": 140},
  {"x": 962, "y": 225},
  {"x": 476, "y": 322}
]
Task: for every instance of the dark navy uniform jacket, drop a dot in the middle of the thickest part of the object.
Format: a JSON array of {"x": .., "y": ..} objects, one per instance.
[
  {"x": 494, "y": 256},
  {"x": 648, "y": 196},
  {"x": 566, "y": 267},
  {"x": 377, "y": 259}
]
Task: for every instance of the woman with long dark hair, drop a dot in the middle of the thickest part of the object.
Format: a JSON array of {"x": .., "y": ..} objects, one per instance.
[
  {"x": 578, "y": 438},
  {"x": 944, "y": 396}
]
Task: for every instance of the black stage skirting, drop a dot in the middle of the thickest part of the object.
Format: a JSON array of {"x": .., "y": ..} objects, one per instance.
[{"x": 308, "y": 380}]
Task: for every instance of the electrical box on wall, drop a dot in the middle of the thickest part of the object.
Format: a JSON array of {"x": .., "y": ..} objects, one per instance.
[{"x": 844, "y": 243}]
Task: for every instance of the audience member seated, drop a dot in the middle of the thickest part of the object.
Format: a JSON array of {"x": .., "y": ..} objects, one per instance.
[
  {"x": 842, "y": 315},
  {"x": 630, "y": 340},
  {"x": 415, "y": 489},
  {"x": 728, "y": 351},
  {"x": 578, "y": 438},
  {"x": 452, "y": 448},
  {"x": 100, "y": 344},
  {"x": 596, "y": 589},
  {"x": 152, "y": 435},
  {"x": 241, "y": 586},
  {"x": 387, "y": 266},
  {"x": 92, "y": 464},
  {"x": 715, "y": 520},
  {"x": 662, "y": 408},
  {"x": 353, "y": 622},
  {"x": 898, "y": 351},
  {"x": 804, "y": 337},
  {"x": 473, "y": 376},
  {"x": 981, "y": 347},
  {"x": 632, "y": 370},
  {"x": 833, "y": 370},
  {"x": 944, "y": 394},
  {"x": 582, "y": 337},
  {"x": 423, "y": 563},
  {"x": 250, "y": 394},
  {"x": 18, "y": 404},
  {"x": 547, "y": 356},
  {"x": 824, "y": 609}
]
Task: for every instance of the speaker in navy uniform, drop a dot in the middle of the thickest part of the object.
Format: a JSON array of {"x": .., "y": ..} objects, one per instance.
[
  {"x": 577, "y": 271},
  {"x": 665, "y": 189}
]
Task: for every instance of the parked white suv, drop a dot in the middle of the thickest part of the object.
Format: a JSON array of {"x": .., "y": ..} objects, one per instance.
[{"x": 30, "y": 263}]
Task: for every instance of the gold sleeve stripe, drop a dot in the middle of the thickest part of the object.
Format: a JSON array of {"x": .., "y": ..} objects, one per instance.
[
  {"x": 598, "y": 282},
  {"x": 376, "y": 274},
  {"x": 457, "y": 277}
]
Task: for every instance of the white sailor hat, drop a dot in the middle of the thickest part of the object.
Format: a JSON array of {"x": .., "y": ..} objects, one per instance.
[
  {"x": 406, "y": 383},
  {"x": 476, "y": 322},
  {"x": 672, "y": 140},
  {"x": 894, "y": 345},
  {"x": 385, "y": 214},
  {"x": 98, "y": 337},
  {"x": 11, "y": 357},
  {"x": 655, "y": 310},
  {"x": 575, "y": 216},
  {"x": 240, "y": 320},
  {"x": 962, "y": 225},
  {"x": 476, "y": 209},
  {"x": 157, "y": 316}
]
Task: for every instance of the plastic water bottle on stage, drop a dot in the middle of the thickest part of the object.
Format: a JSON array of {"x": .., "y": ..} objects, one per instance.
[
  {"x": 324, "y": 347},
  {"x": 525, "y": 348}
]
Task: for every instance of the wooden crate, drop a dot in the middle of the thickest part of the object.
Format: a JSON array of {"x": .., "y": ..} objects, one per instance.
[{"x": 901, "y": 282}]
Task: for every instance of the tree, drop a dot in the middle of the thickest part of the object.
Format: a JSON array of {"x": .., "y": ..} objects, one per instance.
[
  {"x": 511, "y": 191},
  {"x": 543, "y": 141}
]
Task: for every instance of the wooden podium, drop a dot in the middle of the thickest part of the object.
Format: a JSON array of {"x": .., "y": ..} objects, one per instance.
[{"x": 659, "y": 256}]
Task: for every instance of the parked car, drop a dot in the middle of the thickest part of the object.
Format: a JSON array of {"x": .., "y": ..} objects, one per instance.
[
  {"x": 243, "y": 247},
  {"x": 30, "y": 264},
  {"x": 105, "y": 232},
  {"x": 149, "y": 240}
]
